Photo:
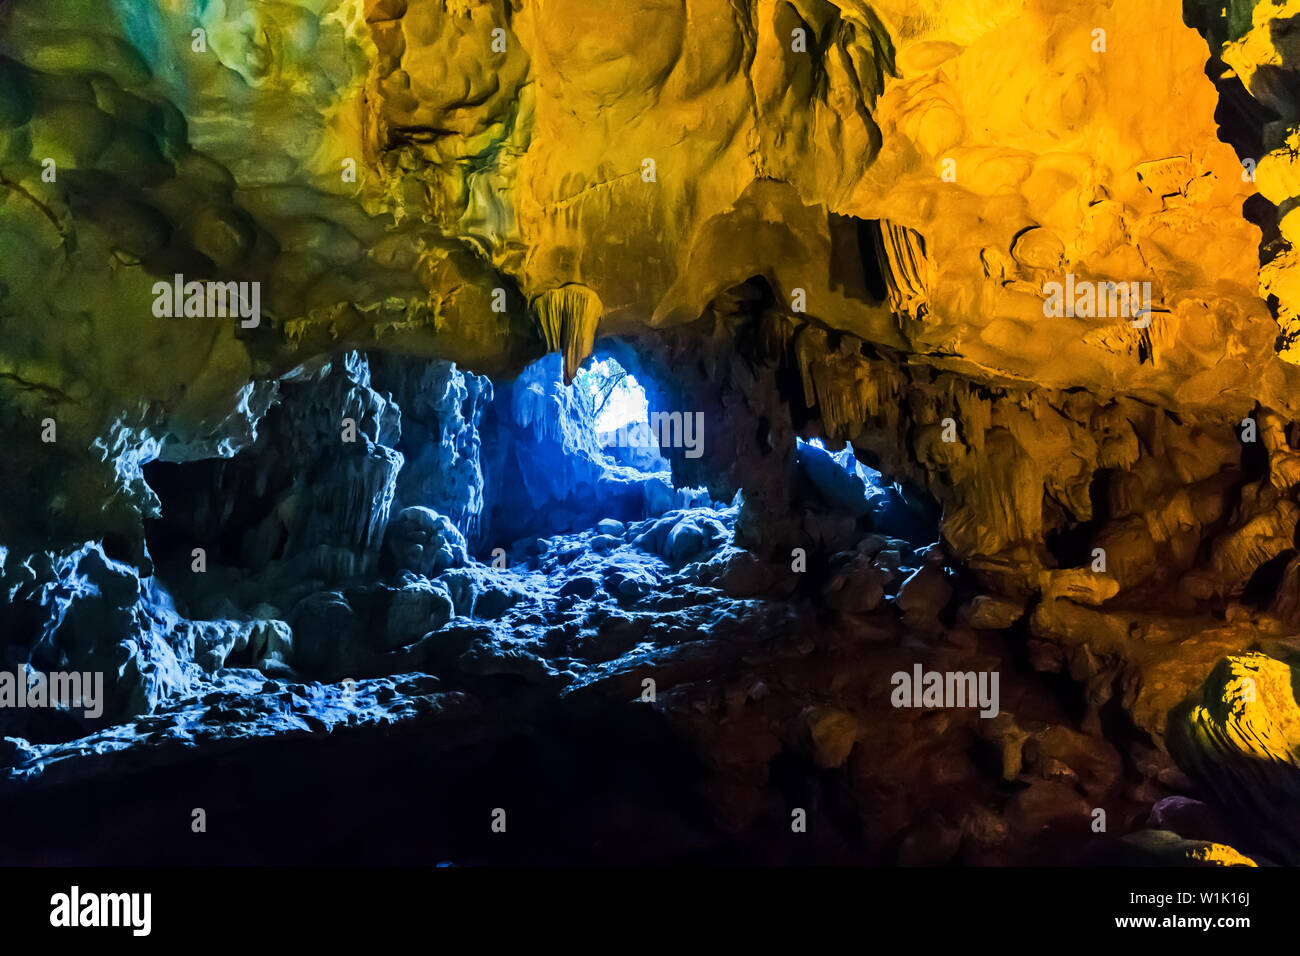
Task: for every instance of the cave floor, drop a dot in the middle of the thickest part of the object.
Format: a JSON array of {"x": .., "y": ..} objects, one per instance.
[{"x": 625, "y": 702}]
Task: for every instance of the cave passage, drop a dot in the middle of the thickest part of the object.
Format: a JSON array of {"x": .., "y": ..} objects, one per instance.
[
  {"x": 846, "y": 485},
  {"x": 412, "y": 549},
  {"x": 655, "y": 421},
  {"x": 621, "y": 415},
  {"x": 563, "y": 457}
]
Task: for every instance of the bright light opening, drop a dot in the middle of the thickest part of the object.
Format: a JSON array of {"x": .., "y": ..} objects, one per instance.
[{"x": 617, "y": 396}]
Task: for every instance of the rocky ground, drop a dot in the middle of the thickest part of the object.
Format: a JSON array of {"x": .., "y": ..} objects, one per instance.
[
  {"x": 276, "y": 535},
  {"x": 637, "y": 692}
]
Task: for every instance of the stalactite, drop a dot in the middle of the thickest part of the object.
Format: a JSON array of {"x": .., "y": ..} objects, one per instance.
[
  {"x": 568, "y": 317},
  {"x": 909, "y": 273},
  {"x": 839, "y": 381}
]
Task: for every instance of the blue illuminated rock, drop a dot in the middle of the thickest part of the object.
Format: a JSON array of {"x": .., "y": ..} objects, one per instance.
[{"x": 424, "y": 542}]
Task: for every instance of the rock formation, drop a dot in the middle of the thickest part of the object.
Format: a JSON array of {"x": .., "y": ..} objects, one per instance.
[{"x": 984, "y": 305}]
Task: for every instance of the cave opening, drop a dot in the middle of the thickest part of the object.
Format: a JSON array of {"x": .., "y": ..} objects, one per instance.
[
  {"x": 846, "y": 485},
  {"x": 563, "y": 457},
  {"x": 621, "y": 415},
  {"x": 1070, "y": 542},
  {"x": 368, "y": 457}
]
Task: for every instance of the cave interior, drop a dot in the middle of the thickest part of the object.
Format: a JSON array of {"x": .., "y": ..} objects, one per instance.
[{"x": 739, "y": 432}]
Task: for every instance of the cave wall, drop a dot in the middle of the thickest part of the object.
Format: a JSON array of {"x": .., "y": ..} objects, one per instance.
[
  {"x": 824, "y": 219},
  {"x": 970, "y": 183},
  {"x": 442, "y": 408}
]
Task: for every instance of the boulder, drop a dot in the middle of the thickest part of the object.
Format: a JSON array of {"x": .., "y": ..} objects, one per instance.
[
  {"x": 990, "y": 612},
  {"x": 580, "y": 587},
  {"x": 857, "y": 586},
  {"x": 1190, "y": 819},
  {"x": 841, "y": 490},
  {"x": 424, "y": 542},
  {"x": 691, "y": 538},
  {"x": 924, "y": 595},
  {"x": 482, "y": 592},
  {"x": 1162, "y": 848},
  {"x": 611, "y": 526},
  {"x": 415, "y": 609}
]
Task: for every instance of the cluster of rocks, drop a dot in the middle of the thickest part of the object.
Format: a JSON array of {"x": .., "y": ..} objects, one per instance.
[{"x": 756, "y": 665}]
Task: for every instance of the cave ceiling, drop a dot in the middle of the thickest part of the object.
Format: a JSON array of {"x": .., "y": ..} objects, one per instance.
[
  {"x": 1033, "y": 258},
  {"x": 384, "y": 168}
]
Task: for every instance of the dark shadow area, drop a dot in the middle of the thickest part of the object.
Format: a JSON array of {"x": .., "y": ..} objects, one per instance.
[{"x": 855, "y": 266}]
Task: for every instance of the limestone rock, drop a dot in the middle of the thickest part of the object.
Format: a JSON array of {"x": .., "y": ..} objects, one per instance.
[
  {"x": 1190, "y": 819},
  {"x": 1162, "y": 848},
  {"x": 1239, "y": 738},
  {"x": 424, "y": 542},
  {"x": 986, "y": 611},
  {"x": 954, "y": 246},
  {"x": 833, "y": 734},
  {"x": 924, "y": 595}
]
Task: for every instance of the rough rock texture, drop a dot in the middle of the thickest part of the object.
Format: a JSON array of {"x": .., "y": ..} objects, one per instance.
[
  {"x": 441, "y": 410},
  {"x": 313, "y": 496},
  {"x": 1252, "y": 62},
  {"x": 832, "y": 220},
  {"x": 547, "y": 467}
]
